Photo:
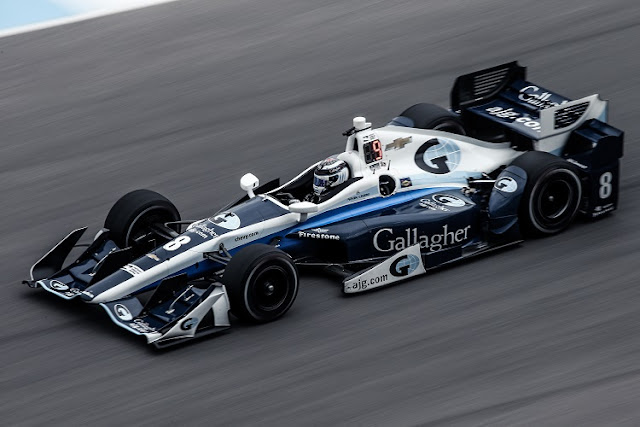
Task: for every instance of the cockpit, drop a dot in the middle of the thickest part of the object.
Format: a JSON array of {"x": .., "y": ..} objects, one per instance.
[{"x": 364, "y": 152}]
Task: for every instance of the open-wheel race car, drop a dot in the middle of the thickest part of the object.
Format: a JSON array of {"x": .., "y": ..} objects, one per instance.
[{"x": 508, "y": 160}]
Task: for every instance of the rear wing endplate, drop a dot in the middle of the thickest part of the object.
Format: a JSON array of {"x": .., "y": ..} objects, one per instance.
[
  {"x": 566, "y": 117},
  {"x": 482, "y": 86}
]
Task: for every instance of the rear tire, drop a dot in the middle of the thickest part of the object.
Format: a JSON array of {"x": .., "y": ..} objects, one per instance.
[
  {"x": 262, "y": 283},
  {"x": 552, "y": 194},
  {"x": 430, "y": 116},
  {"x": 132, "y": 213}
]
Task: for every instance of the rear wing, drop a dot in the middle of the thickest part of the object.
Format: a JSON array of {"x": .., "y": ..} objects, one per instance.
[
  {"x": 482, "y": 86},
  {"x": 499, "y": 102}
]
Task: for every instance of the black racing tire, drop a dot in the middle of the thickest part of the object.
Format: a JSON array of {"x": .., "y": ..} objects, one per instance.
[
  {"x": 430, "y": 116},
  {"x": 262, "y": 283},
  {"x": 552, "y": 194},
  {"x": 132, "y": 213}
]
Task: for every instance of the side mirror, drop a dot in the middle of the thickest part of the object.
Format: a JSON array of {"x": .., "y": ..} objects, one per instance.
[
  {"x": 387, "y": 185},
  {"x": 248, "y": 183},
  {"x": 304, "y": 209}
]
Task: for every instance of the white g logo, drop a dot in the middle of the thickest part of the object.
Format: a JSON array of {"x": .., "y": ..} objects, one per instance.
[
  {"x": 507, "y": 184},
  {"x": 122, "y": 312},
  {"x": 58, "y": 286},
  {"x": 228, "y": 220}
]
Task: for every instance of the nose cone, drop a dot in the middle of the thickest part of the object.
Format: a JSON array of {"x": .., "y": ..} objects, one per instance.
[{"x": 118, "y": 284}]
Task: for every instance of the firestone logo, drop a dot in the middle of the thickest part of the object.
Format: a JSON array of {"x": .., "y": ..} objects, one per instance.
[
  {"x": 385, "y": 239},
  {"x": 307, "y": 235}
]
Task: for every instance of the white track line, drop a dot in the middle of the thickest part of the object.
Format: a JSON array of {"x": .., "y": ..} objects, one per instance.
[{"x": 80, "y": 17}]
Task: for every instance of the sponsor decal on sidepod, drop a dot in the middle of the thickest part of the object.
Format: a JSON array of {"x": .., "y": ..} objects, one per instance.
[
  {"x": 307, "y": 235},
  {"x": 448, "y": 200},
  {"x": 431, "y": 205},
  {"x": 386, "y": 240}
]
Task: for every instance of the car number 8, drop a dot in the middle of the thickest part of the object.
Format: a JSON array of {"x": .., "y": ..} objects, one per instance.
[
  {"x": 175, "y": 244},
  {"x": 606, "y": 187}
]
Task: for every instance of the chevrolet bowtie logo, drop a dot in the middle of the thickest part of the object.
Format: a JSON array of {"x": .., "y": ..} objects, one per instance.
[{"x": 398, "y": 144}]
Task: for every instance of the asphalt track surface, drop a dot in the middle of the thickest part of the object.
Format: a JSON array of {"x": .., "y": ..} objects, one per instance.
[{"x": 183, "y": 98}]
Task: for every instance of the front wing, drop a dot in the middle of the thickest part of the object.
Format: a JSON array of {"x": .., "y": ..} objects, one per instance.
[
  {"x": 168, "y": 319},
  {"x": 178, "y": 309}
]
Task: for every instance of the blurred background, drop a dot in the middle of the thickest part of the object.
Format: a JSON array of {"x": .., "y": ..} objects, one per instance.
[{"x": 185, "y": 97}]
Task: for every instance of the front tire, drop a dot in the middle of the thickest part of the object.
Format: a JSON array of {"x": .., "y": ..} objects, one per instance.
[
  {"x": 131, "y": 215},
  {"x": 262, "y": 283},
  {"x": 552, "y": 194}
]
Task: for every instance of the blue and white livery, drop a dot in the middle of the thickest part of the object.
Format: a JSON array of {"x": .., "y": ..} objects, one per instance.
[{"x": 434, "y": 186}]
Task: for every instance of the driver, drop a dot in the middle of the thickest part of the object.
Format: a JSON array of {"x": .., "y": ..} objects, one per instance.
[{"x": 328, "y": 176}]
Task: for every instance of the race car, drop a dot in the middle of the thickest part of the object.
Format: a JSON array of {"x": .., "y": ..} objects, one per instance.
[{"x": 508, "y": 160}]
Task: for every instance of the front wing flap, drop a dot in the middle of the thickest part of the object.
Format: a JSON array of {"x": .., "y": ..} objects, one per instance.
[{"x": 101, "y": 258}]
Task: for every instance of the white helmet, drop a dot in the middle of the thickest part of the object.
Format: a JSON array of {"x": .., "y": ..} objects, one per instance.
[{"x": 331, "y": 172}]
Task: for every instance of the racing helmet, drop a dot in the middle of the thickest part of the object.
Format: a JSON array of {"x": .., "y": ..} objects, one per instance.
[{"x": 330, "y": 172}]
